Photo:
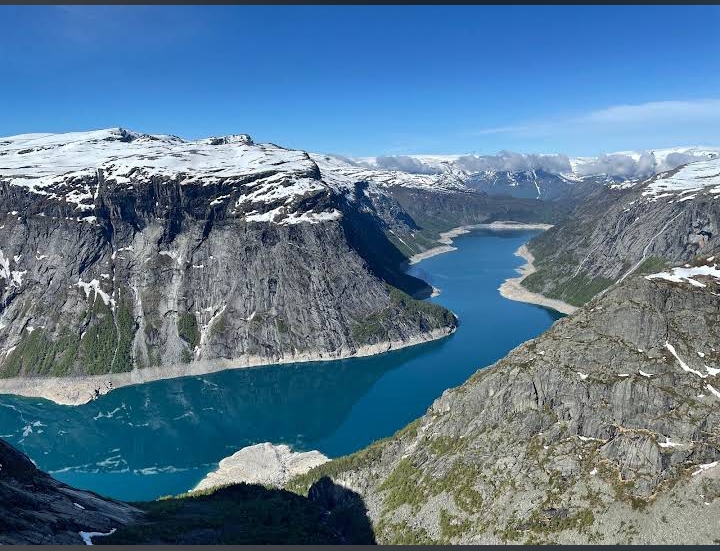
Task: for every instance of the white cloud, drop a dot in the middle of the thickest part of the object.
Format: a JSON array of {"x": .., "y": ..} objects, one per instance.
[
  {"x": 618, "y": 117},
  {"x": 403, "y": 163},
  {"x": 511, "y": 161},
  {"x": 653, "y": 112}
]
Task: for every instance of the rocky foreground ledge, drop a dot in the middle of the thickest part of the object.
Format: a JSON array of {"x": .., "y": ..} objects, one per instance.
[
  {"x": 605, "y": 429},
  {"x": 265, "y": 464}
]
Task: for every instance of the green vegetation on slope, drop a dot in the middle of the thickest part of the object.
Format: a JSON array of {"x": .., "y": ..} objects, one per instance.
[
  {"x": 424, "y": 238},
  {"x": 235, "y": 515},
  {"x": 106, "y": 346},
  {"x": 576, "y": 291},
  {"x": 38, "y": 354},
  {"x": 301, "y": 484},
  {"x": 417, "y": 313},
  {"x": 188, "y": 329},
  {"x": 650, "y": 265}
]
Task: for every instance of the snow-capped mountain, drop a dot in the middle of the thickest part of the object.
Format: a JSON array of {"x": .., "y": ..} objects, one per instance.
[
  {"x": 683, "y": 184},
  {"x": 633, "y": 227},
  {"x": 60, "y": 165},
  {"x": 126, "y": 252},
  {"x": 340, "y": 169},
  {"x": 264, "y": 182},
  {"x": 539, "y": 176}
]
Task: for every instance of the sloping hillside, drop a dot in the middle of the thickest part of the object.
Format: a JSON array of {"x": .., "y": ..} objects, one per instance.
[
  {"x": 605, "y": 429},
  {"x": 637, "y": 227}
]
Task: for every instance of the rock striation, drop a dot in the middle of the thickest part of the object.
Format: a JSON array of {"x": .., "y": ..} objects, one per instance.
[
  {"x": 122, "y": 251},
  {"x": 636, "y": 227},
  {"x": 605, "y": 429}
]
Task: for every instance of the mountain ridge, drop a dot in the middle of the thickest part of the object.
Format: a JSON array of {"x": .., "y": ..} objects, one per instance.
[
  {"x": 122, "y": 251},
  {"x": 631, "y": 227},
  {"x": 589, "y": 433}
]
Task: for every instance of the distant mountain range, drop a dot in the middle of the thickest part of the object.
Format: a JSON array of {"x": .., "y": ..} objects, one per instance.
[
  {"x": 538, "y": 176},
  {"x": 126, "y": 257}
]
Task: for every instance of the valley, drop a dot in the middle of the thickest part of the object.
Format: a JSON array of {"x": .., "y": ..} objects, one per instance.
[
  {"x": 141, "y": 272},
  {"x": 161, "y": 438}
]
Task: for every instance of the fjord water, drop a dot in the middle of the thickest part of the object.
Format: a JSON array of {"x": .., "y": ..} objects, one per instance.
[{"x": 161, "y": 438}]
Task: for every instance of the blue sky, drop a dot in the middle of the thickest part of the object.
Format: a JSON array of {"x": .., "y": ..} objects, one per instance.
[{"x": 367, "y": 80}]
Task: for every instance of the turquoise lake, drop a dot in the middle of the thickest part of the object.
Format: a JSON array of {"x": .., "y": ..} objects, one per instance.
[{"x": 161, "y": 438}]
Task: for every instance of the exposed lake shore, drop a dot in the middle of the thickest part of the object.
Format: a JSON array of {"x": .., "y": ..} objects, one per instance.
[
  {"x": 446, "y": 238},
  {"x": 512, "y": 288},
  {"x": 75, "y": 391},
  {"x": 265, "y": 464}
]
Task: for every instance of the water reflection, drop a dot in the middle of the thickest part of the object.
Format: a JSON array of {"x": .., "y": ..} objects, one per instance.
[{"x": 161, "y": 438}]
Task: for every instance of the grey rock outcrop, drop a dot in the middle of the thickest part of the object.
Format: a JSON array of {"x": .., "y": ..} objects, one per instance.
[
  {"x": 37, "y": 509},
  {"x": 605, "y": 429},
  {"x": 267, "y": 464},
  {"x": 636, "y": 227}
]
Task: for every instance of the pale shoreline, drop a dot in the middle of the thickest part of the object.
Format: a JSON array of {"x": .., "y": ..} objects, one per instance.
[
  {"x": 446, "y": 238},
  {"x": 75, "y": 391},
  {"x": 266, "y": 463},
  {"x": 512, "y": 288}
]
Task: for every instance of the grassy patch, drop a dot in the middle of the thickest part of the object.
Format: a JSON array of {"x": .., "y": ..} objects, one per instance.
[
  {"x": 424, "y": 315},
  {"x": 282, "y": 327},
  {"x": 403, "y": 486},
  {"x": 554, "y": 520},
  {"x": 651, "y": 265},
  {"x": 576, "y": 291},
  {"x": 442, "y": 445},
  {"x": 188, "y": 329},
  {"x": 403, "y": 534},
  {"x": 349, "y": 463},
  {"x": 452, "y": 527}
]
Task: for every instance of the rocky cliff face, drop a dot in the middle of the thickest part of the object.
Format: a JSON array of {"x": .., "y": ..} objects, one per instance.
[
  {"x": 605, "y": 429},
  {"x": 416, "y": 207},
  {"x": 636, "y": 227},
  {"x": 120, "y": 251},
  {"x": 37, "y": 509}
]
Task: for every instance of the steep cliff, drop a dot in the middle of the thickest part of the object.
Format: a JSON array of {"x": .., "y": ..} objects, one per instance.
[
  {"x": 122, "y": 251},
  {"x": 605, "y": 429},
  {"x": 635, "y": 227}
]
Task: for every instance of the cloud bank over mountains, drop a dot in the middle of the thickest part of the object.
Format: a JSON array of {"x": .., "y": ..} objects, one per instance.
[{"x": 629, "y": 164}]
